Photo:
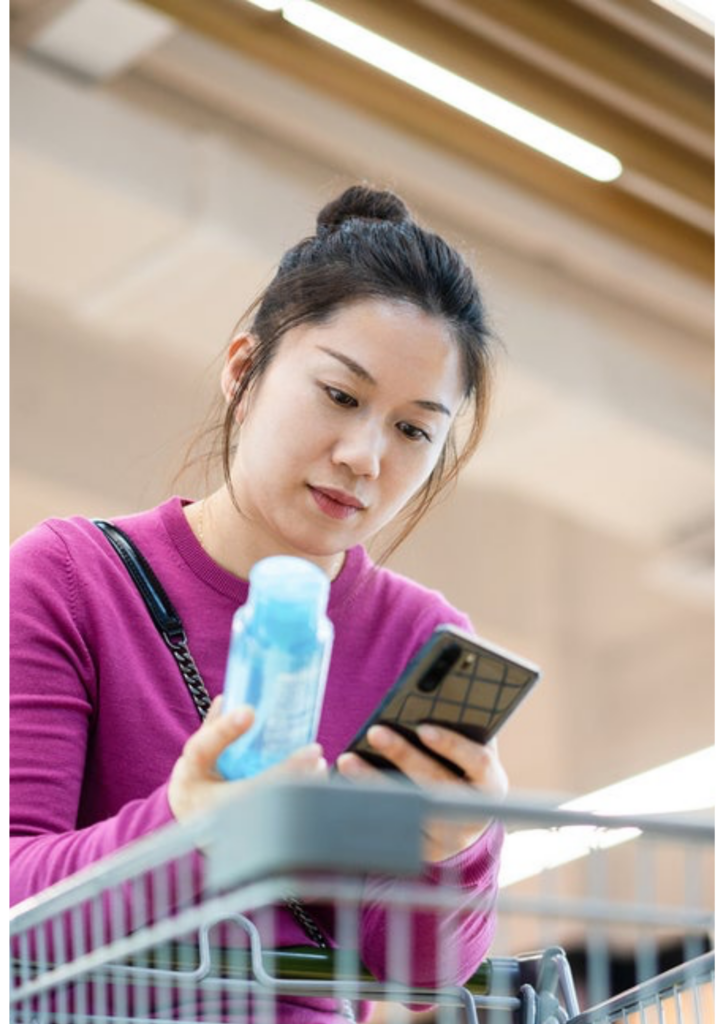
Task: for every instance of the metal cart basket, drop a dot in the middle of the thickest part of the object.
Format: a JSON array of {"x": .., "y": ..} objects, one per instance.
[{"x": 183, "y": 925}]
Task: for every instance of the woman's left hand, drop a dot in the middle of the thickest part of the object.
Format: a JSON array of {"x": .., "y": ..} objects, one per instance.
[{"x": 481, "y": 766}]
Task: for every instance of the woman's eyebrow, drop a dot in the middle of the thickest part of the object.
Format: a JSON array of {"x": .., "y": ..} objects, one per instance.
[
  {"x": 365, "y": 375},
  {"x": 424, "y": 403},
  {"x": 357, "y": 370}
]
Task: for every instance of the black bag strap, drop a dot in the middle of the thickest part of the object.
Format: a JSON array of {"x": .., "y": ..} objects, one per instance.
[
  {"x": 169, "y": 625},
  {"x": 161, "y": 610}
]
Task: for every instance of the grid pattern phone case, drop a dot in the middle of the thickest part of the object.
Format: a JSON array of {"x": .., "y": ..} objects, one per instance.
[{"x": 456, "y": 681}]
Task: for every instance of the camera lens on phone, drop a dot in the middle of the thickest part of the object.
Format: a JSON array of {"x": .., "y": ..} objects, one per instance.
[{"x": 439, "y": 669}]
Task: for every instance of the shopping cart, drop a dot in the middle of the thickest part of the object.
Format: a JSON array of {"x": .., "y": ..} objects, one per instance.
[{"x": 181, "y": 926}]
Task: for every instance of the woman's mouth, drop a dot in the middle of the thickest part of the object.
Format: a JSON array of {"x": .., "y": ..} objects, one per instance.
[{"x": 336, "y": 504}]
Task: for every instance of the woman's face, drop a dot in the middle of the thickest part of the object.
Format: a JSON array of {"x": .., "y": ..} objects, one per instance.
[{"x": 345, "y": 425}]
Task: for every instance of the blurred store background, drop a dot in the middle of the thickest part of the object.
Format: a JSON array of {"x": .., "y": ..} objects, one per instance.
[{"x": 163, "y": 155}]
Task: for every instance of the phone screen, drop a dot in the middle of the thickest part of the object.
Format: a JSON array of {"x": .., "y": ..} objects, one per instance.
[{"x": 457, "y": 682}]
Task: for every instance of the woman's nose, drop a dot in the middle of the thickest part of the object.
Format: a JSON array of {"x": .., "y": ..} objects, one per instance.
[{"x": 361, "y": 450}]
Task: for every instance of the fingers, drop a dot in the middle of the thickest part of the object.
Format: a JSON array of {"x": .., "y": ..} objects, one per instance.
[
  {"x": 352, "y": 766},
  {"x": 305, "y": 761},
  {"x": 481, "y": 765},
  {"x": 479, "y": 762},
  {"x": 195, "y": 784},
  {"x": 407, "y": 758},
  {"x": 203, "y": 747},
  {"x": 215, "y": 710},
  {"x": 411, "y": 762}
]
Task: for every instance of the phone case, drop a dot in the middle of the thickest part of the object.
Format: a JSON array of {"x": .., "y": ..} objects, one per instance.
[{"x": 456, "y": 681}]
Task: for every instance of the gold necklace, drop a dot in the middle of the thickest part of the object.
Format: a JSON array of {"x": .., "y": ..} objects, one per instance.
[
  {"x": 338, "y": 567},
  {"x": 200, "y": 523}
]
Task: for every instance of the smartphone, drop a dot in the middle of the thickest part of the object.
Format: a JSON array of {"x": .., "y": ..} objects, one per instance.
[{"x": 457, "y": 681}]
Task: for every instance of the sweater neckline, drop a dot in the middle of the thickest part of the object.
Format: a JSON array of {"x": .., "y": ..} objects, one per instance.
[{"x": 183, "y": 538}]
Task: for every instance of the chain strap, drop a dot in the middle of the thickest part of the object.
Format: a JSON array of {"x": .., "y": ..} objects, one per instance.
[
  {"x": 169, "y": 625},
  {"x": 179, "y": 647},
  {"x": 307, "y": 922},
  {"x": 314, "y": 932}
]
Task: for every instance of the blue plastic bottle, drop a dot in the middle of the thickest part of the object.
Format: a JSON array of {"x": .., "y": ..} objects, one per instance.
[{"x": 281, "y": 642}]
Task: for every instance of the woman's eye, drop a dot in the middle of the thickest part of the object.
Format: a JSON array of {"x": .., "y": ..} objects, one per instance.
[
  {"x": 414, "y": 433},
  {"x": 341, "y": 397}
]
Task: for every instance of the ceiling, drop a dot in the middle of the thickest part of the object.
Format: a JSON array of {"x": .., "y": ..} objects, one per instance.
[
  {"x": 626, "y": 76},
  {"x": 150, "y": 203}
]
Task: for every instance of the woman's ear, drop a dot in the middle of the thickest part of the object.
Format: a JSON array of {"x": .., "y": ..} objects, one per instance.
[{"x": 237, "y": 359}]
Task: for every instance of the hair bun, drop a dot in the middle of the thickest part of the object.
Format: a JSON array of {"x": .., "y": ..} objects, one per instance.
[{"x": 362, "y": 203}]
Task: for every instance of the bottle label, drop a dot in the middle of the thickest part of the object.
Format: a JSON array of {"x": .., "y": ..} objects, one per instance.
[{"x": 289, "y": 722}]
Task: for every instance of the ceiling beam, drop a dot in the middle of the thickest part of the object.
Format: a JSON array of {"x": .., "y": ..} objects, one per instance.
[{"x": 643, "y": 215}]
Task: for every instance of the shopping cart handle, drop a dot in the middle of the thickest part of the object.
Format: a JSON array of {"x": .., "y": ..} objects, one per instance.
[{"x": 332, "y": 825}]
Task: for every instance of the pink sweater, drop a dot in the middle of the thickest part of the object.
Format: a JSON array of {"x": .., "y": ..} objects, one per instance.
[{"x": 99, "y": 712}]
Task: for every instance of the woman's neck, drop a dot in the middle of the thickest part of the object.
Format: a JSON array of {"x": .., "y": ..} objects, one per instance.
[{"x": 229, "y": 539}]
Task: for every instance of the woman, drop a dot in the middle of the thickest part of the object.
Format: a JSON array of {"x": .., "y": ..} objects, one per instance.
[{"x": 343, "y": 391}]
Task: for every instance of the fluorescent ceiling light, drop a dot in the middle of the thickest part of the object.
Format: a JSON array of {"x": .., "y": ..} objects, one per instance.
[
  {"x": 534, "y": 850},
  {"x": 687, "y": 784},
  {"x": 449, "y": 88},
  {"x": 699, "y": 13},
  {"x": 100, "y": 38}
]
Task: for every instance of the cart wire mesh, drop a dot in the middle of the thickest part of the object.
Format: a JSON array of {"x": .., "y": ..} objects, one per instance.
[{"x": 184, "y": 924}]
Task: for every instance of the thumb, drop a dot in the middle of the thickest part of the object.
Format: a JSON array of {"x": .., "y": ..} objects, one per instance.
[
  {"x": 218, "y": 730},
  {"x": 214, "y": 711}
]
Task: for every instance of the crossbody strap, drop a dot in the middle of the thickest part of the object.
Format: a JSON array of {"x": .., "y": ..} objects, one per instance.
[
  {"x": 161, "y": 610},
  {"x": 169, "y": 625}
]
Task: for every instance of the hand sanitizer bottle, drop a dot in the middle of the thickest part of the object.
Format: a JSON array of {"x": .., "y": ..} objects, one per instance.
[{"x": 281, "y": 642}]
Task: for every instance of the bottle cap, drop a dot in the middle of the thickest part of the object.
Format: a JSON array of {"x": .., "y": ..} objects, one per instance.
[{"x": 288, "y": 589}]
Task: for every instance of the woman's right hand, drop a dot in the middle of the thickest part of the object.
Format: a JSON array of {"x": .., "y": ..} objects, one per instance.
[{"x": 196, "y": 785}]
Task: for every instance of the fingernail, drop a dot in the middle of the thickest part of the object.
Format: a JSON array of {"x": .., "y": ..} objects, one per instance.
[
  {"x": 318, "y": 767},
  {"x": 350, "y": 767},
  {"x": 379, "y": 737},
  {"x": 429, "y": 732},
  {"x": 312, "y": 752}
]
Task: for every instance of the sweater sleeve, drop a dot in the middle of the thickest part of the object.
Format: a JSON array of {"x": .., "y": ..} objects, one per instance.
[
  {"x": 53, "y": 705},
  {"x": 442, "y": 946}
]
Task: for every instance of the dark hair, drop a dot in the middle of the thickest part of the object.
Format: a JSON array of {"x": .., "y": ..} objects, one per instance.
[{"x": 367, "y": 246}]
